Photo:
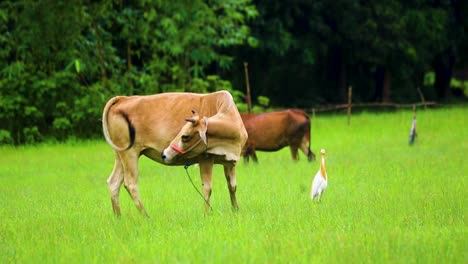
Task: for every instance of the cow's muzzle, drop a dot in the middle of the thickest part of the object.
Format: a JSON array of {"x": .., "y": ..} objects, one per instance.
[
  {"x": 176, "y": 149},
  {"x": 172, "y": 151},
  {"x": 167, "y": 156}
]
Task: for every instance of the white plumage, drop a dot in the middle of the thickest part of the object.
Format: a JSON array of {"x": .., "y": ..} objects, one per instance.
[{"x": 320, "y": 180}]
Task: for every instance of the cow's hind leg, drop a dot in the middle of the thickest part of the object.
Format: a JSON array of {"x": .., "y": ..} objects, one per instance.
[
  {"x": 115, "y": 182},
  {"x": 230, "y": 173},
  {"x": 130, "y": 166},
  {"x": 305, "y": 147}
]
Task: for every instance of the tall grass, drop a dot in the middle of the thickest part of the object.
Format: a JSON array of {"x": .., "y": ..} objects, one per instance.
[{"x": 386, "y": 201}]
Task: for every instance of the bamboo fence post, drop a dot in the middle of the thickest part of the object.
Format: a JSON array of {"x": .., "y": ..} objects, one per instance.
[
  {"x": 422, "y": 98},
  {"x": 247, "y": 97},
  {"x": 350, "y": 95}
]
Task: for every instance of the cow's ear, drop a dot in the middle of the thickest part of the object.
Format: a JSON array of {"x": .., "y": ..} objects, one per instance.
[
  {"x": 191, "y": 120},
  {"x": 194, "y": 119},
  {"x": 204, "y": 129},
  {"x": 203, "y": 136}
]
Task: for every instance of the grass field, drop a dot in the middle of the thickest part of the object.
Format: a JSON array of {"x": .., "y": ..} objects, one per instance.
[{"x": 386, "y": 201}]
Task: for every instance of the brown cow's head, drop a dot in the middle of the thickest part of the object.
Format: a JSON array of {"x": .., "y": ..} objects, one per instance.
[{"x": 191, "y": 140}]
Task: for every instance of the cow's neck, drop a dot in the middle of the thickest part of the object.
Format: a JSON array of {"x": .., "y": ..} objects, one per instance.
[{"x": 223, "y": 128}]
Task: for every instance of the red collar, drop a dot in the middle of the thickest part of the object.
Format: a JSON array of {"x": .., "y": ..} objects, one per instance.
[{"x": 177, "y": 149}]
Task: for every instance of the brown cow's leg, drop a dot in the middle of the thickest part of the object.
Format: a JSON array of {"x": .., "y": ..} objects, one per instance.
[
  {"x": 130, "y": 165},
  {"x": 115, "y": 182},
  {"x": 294, "y": 153},
  {"x": 248, "y": 152},
  {"x": 252, "y": 152},
  {"x": 246, "y": 157},
  {"x": 305, "y": 148},
  {"x": 206, "y": 170},
  {"x": 254, "y": 155},
  {"x": 230, "y": 173}
]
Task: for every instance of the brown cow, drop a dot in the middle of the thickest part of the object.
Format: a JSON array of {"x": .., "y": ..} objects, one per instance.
[
  {"x": 273, "y": 131},
  {"x": 156, "y": 126}
]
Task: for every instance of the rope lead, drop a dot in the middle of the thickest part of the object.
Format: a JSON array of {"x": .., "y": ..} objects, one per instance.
[{"x": 188, "y": 164}]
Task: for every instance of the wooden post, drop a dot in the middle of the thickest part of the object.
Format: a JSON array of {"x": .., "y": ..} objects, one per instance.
[
  {"x": 350, "y": 95},
  {"x": 247, "y": 96},
  {"x": 422, "y": 99}
]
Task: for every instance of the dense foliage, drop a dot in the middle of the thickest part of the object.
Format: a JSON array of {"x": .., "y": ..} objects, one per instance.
[
  {"x": 310, "y": 52},
  {"x": 60, "y": 61}
]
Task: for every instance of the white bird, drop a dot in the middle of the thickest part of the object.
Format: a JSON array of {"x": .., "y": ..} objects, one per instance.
[{"x": 320, "y": 180}]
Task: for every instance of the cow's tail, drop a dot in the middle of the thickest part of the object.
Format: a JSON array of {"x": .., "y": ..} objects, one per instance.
[
  {"x": 105, "y": 125},
  {"x": 310, "y": 154}
]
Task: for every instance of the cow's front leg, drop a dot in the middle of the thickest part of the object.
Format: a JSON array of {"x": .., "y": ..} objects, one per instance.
[
  {"x": 230, "y": 173},
  {"x": 206, "y": 170},
  {"x": 254, "y": 155},
  {"x": 294, "y": 153}
]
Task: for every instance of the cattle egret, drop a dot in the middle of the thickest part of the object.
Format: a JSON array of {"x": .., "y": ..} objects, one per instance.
[
  {"x": 320, "y": 180},
  {"x": 413, "y": 133}
]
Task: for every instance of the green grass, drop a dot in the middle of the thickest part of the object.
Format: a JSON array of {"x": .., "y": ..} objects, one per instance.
[{"x": 386, "y": 201}]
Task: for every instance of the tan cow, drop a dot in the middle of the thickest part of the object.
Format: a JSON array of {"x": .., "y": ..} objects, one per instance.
[
  {"x": 157, "y": 126},
  {"x": 276, "y": 130}
]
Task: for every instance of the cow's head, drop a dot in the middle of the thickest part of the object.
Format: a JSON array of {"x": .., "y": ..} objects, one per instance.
[{"x": 191, "y": 140}]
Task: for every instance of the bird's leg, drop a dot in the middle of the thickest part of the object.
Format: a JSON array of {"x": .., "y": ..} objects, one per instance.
[{"x": 321, "y": 195}]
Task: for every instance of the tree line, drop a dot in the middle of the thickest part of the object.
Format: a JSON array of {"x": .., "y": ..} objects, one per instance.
[{"x": 60, "y": 61}]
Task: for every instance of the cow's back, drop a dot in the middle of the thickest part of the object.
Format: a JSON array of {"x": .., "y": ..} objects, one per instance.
[{"x": 157, "y": 118}]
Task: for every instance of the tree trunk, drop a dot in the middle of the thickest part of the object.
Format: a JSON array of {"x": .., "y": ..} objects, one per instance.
[
  {"x": 382, "y": 84},
  {"x": 129, "y": 67},
  {"x": 443, "y": 68},
  {"x": 129, "y": 56},
  {"x": 387, "y": 83},
  {"x": 99, "y": 53},
  {"x": 378, "y": 77},
  {"x": 337, "y": 71},
  {"x": 342, "y": 89}
]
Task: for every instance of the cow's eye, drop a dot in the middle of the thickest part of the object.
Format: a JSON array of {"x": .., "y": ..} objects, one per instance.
[{"x": 185, "y": 138}]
